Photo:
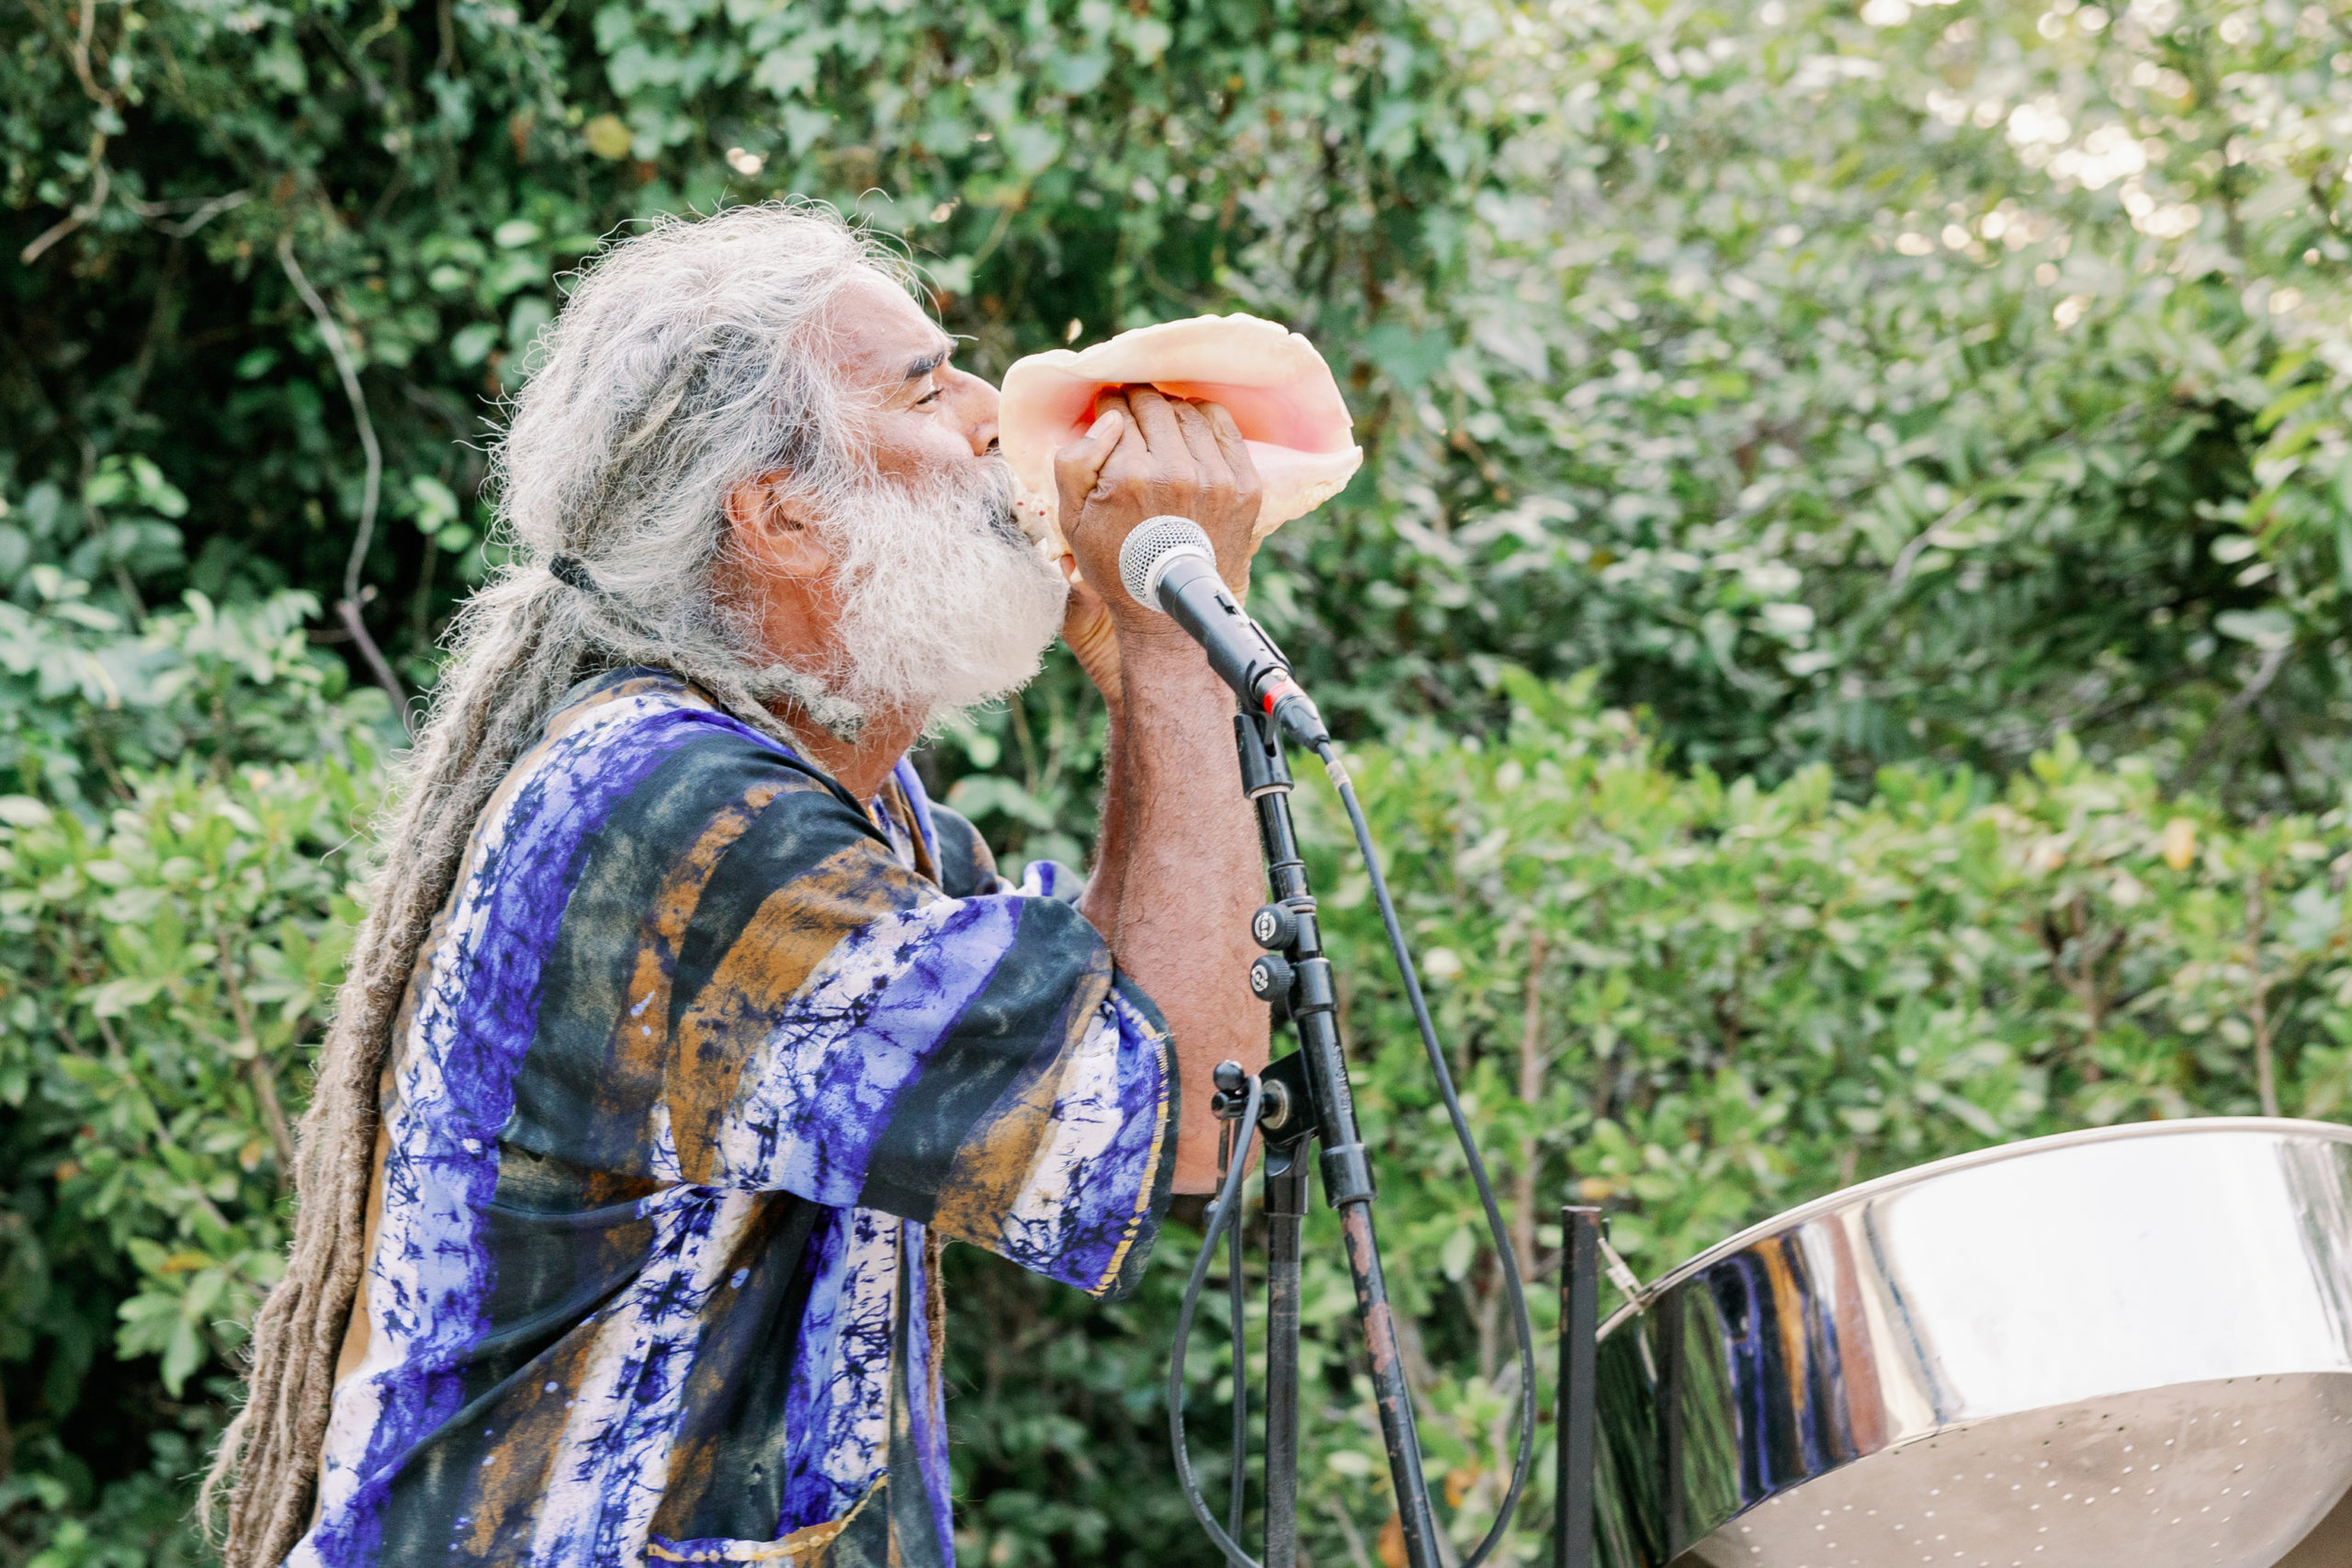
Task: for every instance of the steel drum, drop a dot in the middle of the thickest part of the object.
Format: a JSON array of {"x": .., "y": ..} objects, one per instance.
[{"x": 2130, "y": 1346}]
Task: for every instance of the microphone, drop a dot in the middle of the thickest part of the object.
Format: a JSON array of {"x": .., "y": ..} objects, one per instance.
[{"x": 1168, "y": 564}]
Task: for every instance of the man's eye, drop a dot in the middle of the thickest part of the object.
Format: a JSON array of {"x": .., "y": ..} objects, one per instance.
[{"x": 929, "y": 397}]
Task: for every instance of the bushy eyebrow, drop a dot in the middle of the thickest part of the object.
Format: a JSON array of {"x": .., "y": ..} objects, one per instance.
[{"x": 930, "y": 362}]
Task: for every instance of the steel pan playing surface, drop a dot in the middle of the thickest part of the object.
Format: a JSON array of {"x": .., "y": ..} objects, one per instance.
[
  {"x": 2225, "y": 1472},
  {"x": 2132, "y": 1348}
]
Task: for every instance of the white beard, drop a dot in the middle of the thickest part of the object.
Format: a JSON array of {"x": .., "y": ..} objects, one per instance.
[{"x": 945, "y": 604}]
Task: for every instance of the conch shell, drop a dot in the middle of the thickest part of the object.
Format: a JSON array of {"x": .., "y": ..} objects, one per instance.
[{"x": 1273, "y": 383}]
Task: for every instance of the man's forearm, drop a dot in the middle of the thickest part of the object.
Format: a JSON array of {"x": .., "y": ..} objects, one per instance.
[
  {"x": 1182, "y": 848},
  {"x": 1108, "y": 880}
]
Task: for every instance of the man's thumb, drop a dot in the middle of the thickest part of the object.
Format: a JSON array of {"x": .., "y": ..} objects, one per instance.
[{"x": 1076, "y": 465}]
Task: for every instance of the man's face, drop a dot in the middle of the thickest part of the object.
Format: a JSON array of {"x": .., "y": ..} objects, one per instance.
[
  {"x": 913, "y": 591},
  {"x": 928, "y": 417}
]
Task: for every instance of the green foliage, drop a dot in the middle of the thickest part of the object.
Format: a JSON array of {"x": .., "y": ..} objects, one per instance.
[
  {"x": 1924, "y": 425},
  {"x": 1923, "y": 383},
  {"x": 173, "y": 912},
  {"x": 175, "y": 958},
  {"x": 1846, "y": 389},
  {"x": 139, "y": 1521},
  {"x": 82, "y": 694}
]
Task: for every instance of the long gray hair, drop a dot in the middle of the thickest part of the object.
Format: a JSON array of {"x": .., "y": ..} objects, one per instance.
[{"x": 689, "y": 359}]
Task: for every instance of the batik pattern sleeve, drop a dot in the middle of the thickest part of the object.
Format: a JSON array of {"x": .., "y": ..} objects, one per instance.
[{"x": 759, "y": 993}]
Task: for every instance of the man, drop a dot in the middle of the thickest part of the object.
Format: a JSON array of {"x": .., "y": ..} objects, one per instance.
[{"x": 623, "y": 1185}]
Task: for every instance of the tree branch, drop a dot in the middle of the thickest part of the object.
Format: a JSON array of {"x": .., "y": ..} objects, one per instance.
[
  {"x": 1909, "y": 554},
  {"x": 1531, "y": 1094},
  {"x": 80, "y": 215},
  {"x": 2273, "y": 661},
  {"x": 347, "y": 607},
  {"x": 2266, "y": 1077},
  {"x": 102, "y": 180},
  {"x": 264, "y": 1081},
  {"x": 200, "y": 210}
]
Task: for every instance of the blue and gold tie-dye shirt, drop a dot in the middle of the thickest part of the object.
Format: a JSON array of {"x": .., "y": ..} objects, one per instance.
[{"x": 702, "y": 1061}]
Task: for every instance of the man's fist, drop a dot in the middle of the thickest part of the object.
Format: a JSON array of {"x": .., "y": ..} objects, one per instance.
[{"x": 1146, "y": 455}]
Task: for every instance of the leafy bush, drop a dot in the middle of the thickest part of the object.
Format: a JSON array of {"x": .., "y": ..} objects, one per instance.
[
  {"x": 1699, "y": 1002},
  {"x": 1916, "y": 382},
  {"x": 1954, "y": 387},
  {"x": 175, "y": 169},
  {"x": 173, "y": 946},
  {"x": 1847, "y": 387}
]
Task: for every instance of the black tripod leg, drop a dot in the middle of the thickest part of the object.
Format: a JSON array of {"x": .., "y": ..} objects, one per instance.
[
  {"x": 1238, "y": 1303},
  {"x": 1399, "y": 1428},
  {"x": 1573, "y": 1413},
  {"x": 1286, "y": 1217}
]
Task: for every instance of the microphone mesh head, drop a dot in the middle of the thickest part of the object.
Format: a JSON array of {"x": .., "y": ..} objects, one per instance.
[{"x": 1154, "y": 540}]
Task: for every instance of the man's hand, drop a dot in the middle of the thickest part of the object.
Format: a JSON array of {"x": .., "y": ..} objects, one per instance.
[
  {"x": 1119, "y": 474},
  {"x": 1147, "y": 454},
  {"x": 1178, "y": 870}
]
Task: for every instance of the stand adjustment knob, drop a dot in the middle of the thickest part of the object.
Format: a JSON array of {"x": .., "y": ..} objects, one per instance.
[
  {"x": 1273, "y": 928},
  {"x": 1229, "y": 1103},
  {"x": 1271, "y": 976}
]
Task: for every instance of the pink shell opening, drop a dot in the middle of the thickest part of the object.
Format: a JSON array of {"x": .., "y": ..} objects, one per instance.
[{"x": 1271, "y": 380}]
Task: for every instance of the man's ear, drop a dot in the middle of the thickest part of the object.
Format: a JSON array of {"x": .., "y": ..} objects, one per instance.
[{"x": 768, "y": 524}]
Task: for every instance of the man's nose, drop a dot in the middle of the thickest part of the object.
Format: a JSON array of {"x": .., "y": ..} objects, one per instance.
[{"x": 976, "y": 403}]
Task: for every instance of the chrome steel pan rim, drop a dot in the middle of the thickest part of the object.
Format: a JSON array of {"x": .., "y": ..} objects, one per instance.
[{"x": 1895, "y": 1181}]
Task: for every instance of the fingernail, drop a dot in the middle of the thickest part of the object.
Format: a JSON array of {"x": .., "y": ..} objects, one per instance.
[{"x": 1102, "y": 422}]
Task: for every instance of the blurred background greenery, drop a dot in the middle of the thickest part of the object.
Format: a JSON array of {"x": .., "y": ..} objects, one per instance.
[{"x": 1841, "y": 625}]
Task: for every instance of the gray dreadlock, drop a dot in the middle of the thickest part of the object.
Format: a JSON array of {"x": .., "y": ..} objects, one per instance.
[{"x": 682, "y": 365}]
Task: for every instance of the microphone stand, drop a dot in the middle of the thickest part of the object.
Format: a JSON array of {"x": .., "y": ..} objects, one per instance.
[
  {"x": 1306, "y": 1098},
  {"x": 1169, "y": 563}
]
